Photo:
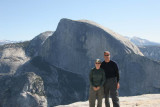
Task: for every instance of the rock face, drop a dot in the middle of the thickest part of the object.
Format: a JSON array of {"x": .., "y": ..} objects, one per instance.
[
  {"x": 35, "y": 44},
  {"x": 54, "y": 69},
  {"x": 26, "y": 90},
  {"x": 61, "y": 87},
  {"x": 152, "y": 52},
  {"x": 12, "y": 56},
  {"x": 76, "y": 44},
  {"x": 45, "y": 85},
  {"x": 139, "y": 75}
]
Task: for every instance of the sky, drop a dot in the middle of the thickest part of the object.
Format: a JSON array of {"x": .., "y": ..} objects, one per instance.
[{"x": 22, "y": 20}]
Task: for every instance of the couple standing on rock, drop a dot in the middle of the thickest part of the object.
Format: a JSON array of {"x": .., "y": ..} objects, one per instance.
[{"x": 104, "y": 80}]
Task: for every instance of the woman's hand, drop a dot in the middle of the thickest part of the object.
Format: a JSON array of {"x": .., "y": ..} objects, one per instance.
[{"x": 96, "y": 88}]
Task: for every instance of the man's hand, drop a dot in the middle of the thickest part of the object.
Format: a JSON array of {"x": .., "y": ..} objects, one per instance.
[{"x": 118, "y": 85}]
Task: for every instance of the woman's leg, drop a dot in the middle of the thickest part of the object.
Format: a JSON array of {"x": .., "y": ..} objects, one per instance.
[
  {"x": 92, "y": 97},
  {"x": 100, "y": 94}
]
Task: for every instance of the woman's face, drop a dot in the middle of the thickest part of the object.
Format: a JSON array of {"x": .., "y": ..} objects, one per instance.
[{"x": 97, "y": 64}]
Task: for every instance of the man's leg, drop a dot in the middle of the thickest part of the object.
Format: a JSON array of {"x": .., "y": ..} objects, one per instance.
[
  {"x": 92, "y": 97},
  {"x": 100, "y": 94},
  {"x": 114, "y": 93},
  {"x": 106, "y": 93}
]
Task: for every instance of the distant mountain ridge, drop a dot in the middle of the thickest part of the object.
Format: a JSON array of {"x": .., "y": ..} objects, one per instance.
[
  {"x": 142, "y": 42},
  {"x": 2, "y": 42},
  {"x": 148, "y": 48}
]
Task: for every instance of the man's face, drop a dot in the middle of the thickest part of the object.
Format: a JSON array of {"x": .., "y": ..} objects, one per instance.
[{"x": 107, "y": 56}]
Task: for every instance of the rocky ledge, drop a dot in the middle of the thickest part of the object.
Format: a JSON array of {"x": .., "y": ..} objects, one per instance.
[{"x": 146, "y": 100}]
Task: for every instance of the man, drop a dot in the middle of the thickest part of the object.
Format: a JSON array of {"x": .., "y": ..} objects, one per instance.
[{"x": 111, "y": 84}]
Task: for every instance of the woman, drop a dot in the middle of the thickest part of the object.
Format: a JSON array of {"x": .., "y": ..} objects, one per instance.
[{"x": 97, "y": 79}]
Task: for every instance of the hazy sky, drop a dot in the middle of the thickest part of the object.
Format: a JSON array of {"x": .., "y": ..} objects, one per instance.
[{"x": 25, "y": 19}]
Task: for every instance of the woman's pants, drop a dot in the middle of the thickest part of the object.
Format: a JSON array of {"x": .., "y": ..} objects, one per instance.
[{"x": 93, "y": 95}]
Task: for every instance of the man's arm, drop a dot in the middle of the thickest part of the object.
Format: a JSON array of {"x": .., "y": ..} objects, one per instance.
[
  {"x": 117, "y": 72},
  {"x": 117, "y": 75},
  {"x": 103, "y": 79}
]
